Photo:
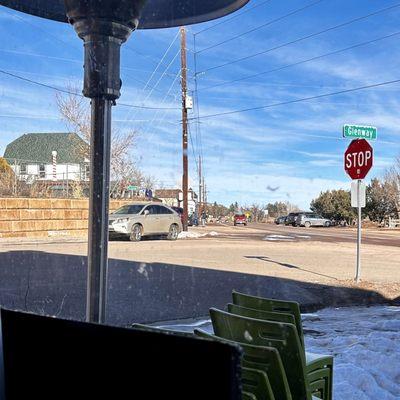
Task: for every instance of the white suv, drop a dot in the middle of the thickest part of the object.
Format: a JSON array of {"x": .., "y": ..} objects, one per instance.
[
  {"x": 311, "y": 219},
  {"x": 145, "y": 219}
]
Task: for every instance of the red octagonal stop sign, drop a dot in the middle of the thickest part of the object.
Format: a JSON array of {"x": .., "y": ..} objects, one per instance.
[{"x": 358, "y": 159}]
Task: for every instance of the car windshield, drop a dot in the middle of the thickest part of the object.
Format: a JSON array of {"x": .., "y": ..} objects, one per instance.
[{"x": 129, "y": 209}]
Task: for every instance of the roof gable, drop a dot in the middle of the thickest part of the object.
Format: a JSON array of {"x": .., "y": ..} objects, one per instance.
[{"x": 38, "y": 147}]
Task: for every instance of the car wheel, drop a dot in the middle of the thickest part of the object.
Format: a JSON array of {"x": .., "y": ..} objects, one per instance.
[
  {"x": 136, "y": 233},
  {"x": 173, "y": 232},
  {"x": 327, "y": 224},
  {"x": 307, "y": 224}
]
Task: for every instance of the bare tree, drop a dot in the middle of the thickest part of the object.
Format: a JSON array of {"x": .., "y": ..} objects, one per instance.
[
  {"x": 392, "y": 180},
  {"x": 7, "y": 178},
  {"x": 75, "y": 111},
  {"x": 290, "y": 207}
]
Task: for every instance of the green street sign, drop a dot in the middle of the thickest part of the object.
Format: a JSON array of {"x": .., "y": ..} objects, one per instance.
[
  {"x": 131, "y": 187},
  {"x": 359, "y": 132}
]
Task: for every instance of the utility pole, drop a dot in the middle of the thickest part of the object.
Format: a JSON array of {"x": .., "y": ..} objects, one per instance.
[
  {"x": 200, "y": 189},
  {"x": 184, "y": 129},
  {"x": 204, "y": 195}
]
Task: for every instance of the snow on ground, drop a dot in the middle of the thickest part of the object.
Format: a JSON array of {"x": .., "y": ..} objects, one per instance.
[
  {"x": 273, "y": 238},
  {"x": 283, "y": 238},
  {"x": 366, "y": 346},
  {"x": 365, "y": 342},
  {"x": 195, "y": 235}
]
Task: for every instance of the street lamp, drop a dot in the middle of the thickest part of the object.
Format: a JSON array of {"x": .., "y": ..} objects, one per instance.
[{"x": 104, "y": 25}]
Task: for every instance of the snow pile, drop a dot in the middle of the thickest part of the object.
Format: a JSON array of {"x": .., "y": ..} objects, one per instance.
[
  {"x": 189, "y": 235},
  {"x": 195, "y": 235},
  {"x": 364, "y": 341},
  {"x": 366, "y": 346}
]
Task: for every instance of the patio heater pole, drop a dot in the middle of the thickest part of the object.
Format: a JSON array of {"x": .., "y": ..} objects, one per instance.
[
  {"x": 100, "y": 140},
  {"x": 102, "y": 42}
]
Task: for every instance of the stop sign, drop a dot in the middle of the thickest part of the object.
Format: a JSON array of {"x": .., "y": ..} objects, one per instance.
[{"x": 358, "y": 159}]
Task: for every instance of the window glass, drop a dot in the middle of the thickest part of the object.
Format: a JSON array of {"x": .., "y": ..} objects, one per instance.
[
  {"x": 129, "y": 209},
  {"x": 164, "y": 210},
  {"x": 42, "y": 171},
  {"x": 153, "y": 210},
  {"x": 259, "y": 118}
]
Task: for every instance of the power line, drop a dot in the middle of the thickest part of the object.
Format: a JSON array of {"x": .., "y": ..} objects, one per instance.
[
  {"x": 154, "y": 71},
  {"x": 301, "y": 62},
  {"x": 192, "y": 147},
  {"x": 271, "y": 22},
  {"x": 77, "y": 94},
  {"x": 236, "y": 15},
  {"x": 162, "y": 118},
  {"x": 302, "y": 38},
  {"x": 153, "y": 59},
  {"x": 197, "y": 105},
  {"x": 300, "y": 100},
  {"x": 73, "y": 61},
  {"x": 27, "y": 116}
]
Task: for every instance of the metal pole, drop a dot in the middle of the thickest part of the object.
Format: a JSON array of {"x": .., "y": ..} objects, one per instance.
[
  {"x": 100, "y": 140},
  {"x": 358, "y": 272},
  {"x": 184, "y": 130},
  {"x": 200, "y": 191}
]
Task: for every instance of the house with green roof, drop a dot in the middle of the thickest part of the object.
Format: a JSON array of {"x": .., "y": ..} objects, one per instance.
[{"x": 49, "y": 156}]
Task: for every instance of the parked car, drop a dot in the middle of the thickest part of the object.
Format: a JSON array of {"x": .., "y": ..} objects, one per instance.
[
  {"x": 311, "y": 219},
  {"x": 239, "y": 219},
  {"x": 145, "y": 219},
  {"x": 292, "y": 218},
  {"x": 281, "y": 220},
  {"x": 178, "y": 210}
]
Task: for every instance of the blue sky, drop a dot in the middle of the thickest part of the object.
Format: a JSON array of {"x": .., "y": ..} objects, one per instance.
[{"x": 296, "y": 148}]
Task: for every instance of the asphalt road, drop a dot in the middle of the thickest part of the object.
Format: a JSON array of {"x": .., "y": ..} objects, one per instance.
[
  {"x": 159, "y": 280},
  {"x": 281, "y": 233}
]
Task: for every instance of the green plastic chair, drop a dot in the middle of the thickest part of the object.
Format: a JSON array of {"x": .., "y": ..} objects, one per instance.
[
  {"x": 314, "y": 362},
  {"x": 256, "y": 382},
  {"x": 264, "y": 304},
  {"x": 266, "y": 359},
  {"x": 261, "y": 314},
  {"x": 248, "y": 396},
  {"x": 279, "y": 335}
]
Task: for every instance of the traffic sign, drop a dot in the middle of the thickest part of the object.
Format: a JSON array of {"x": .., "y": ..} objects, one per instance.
[
  {"x": 360, "y": 132},
  {"x": 358, "y": 194},
  {"x": 358, "y": 159}
]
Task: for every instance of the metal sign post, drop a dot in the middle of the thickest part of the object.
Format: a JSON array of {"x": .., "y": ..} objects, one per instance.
[
  {"x": 358, "y": 197},
  {"x": 358, "y": 268}
]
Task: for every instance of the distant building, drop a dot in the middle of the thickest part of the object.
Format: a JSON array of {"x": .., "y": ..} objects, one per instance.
[
  {"x": 48, "y": 156},
  {"x": 174, "y": 198}
]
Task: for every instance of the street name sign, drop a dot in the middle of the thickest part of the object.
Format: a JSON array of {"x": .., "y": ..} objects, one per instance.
[
  {"x": 359, "y": 132},
  {"x": 358, "y": 194},
  {"x": 358, "y": 159}
]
